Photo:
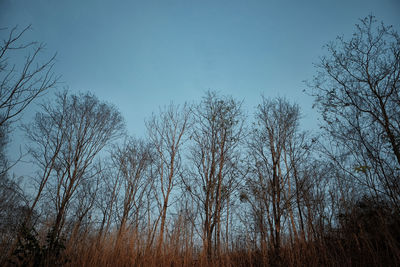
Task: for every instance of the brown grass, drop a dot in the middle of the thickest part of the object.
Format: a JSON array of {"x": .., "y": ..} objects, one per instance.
[{"x": 132, "y": 250}]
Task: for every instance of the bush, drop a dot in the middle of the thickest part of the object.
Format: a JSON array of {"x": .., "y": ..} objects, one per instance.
[{"x": 30, "y": 252}]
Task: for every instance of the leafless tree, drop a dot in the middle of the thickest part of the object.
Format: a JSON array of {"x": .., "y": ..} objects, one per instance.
[
  {"x": 216, "y": 136},
  {"x": 23, "y": 77},
  {"x": 357, "y": 91},
  {"x": 133, "y": 162},
  {"x": 106, "y": 201},
  {"x": 83, "y": 206},
  {"x": 274, "y": 182},
  {"x": 19, "y": 86},
  {"x": 3, "y": 157},
  {"x": 66, "y": 137},
  {"x": 166, "y": 133}
]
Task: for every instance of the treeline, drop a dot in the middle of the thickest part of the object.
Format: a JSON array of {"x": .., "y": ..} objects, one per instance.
[{"x": 208, "y": 185}]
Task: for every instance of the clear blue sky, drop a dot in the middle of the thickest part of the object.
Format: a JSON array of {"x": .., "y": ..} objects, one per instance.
[{"x": 140, "y": 55}]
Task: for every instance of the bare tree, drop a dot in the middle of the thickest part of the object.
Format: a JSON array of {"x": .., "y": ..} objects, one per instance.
[
  {"x": 357, "y": 91},
  {"x": 133, "y": 162},
  {"x": 166, "y": 133},
  {"x": 107, "y": 201},
  {"x": 216, "y": 136},
  {"x": 274, "y": 169},
  {"x": 3, "y": 157},
  {"x": 20, "y": 86},
  {"x": 66, "y": 137},
  {"x": 83, "y": 207}
]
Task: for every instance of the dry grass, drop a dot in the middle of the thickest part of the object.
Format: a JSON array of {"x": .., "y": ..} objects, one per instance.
[
  {"x": 361, "y": 241},
  {"x": 132, "y": 250}
]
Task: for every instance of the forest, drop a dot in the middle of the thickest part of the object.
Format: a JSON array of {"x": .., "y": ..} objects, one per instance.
[{"x": 211, "y": 184}]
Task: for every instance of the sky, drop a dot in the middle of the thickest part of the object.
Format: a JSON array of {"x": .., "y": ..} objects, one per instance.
[{"x": 140, "y": 55}]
